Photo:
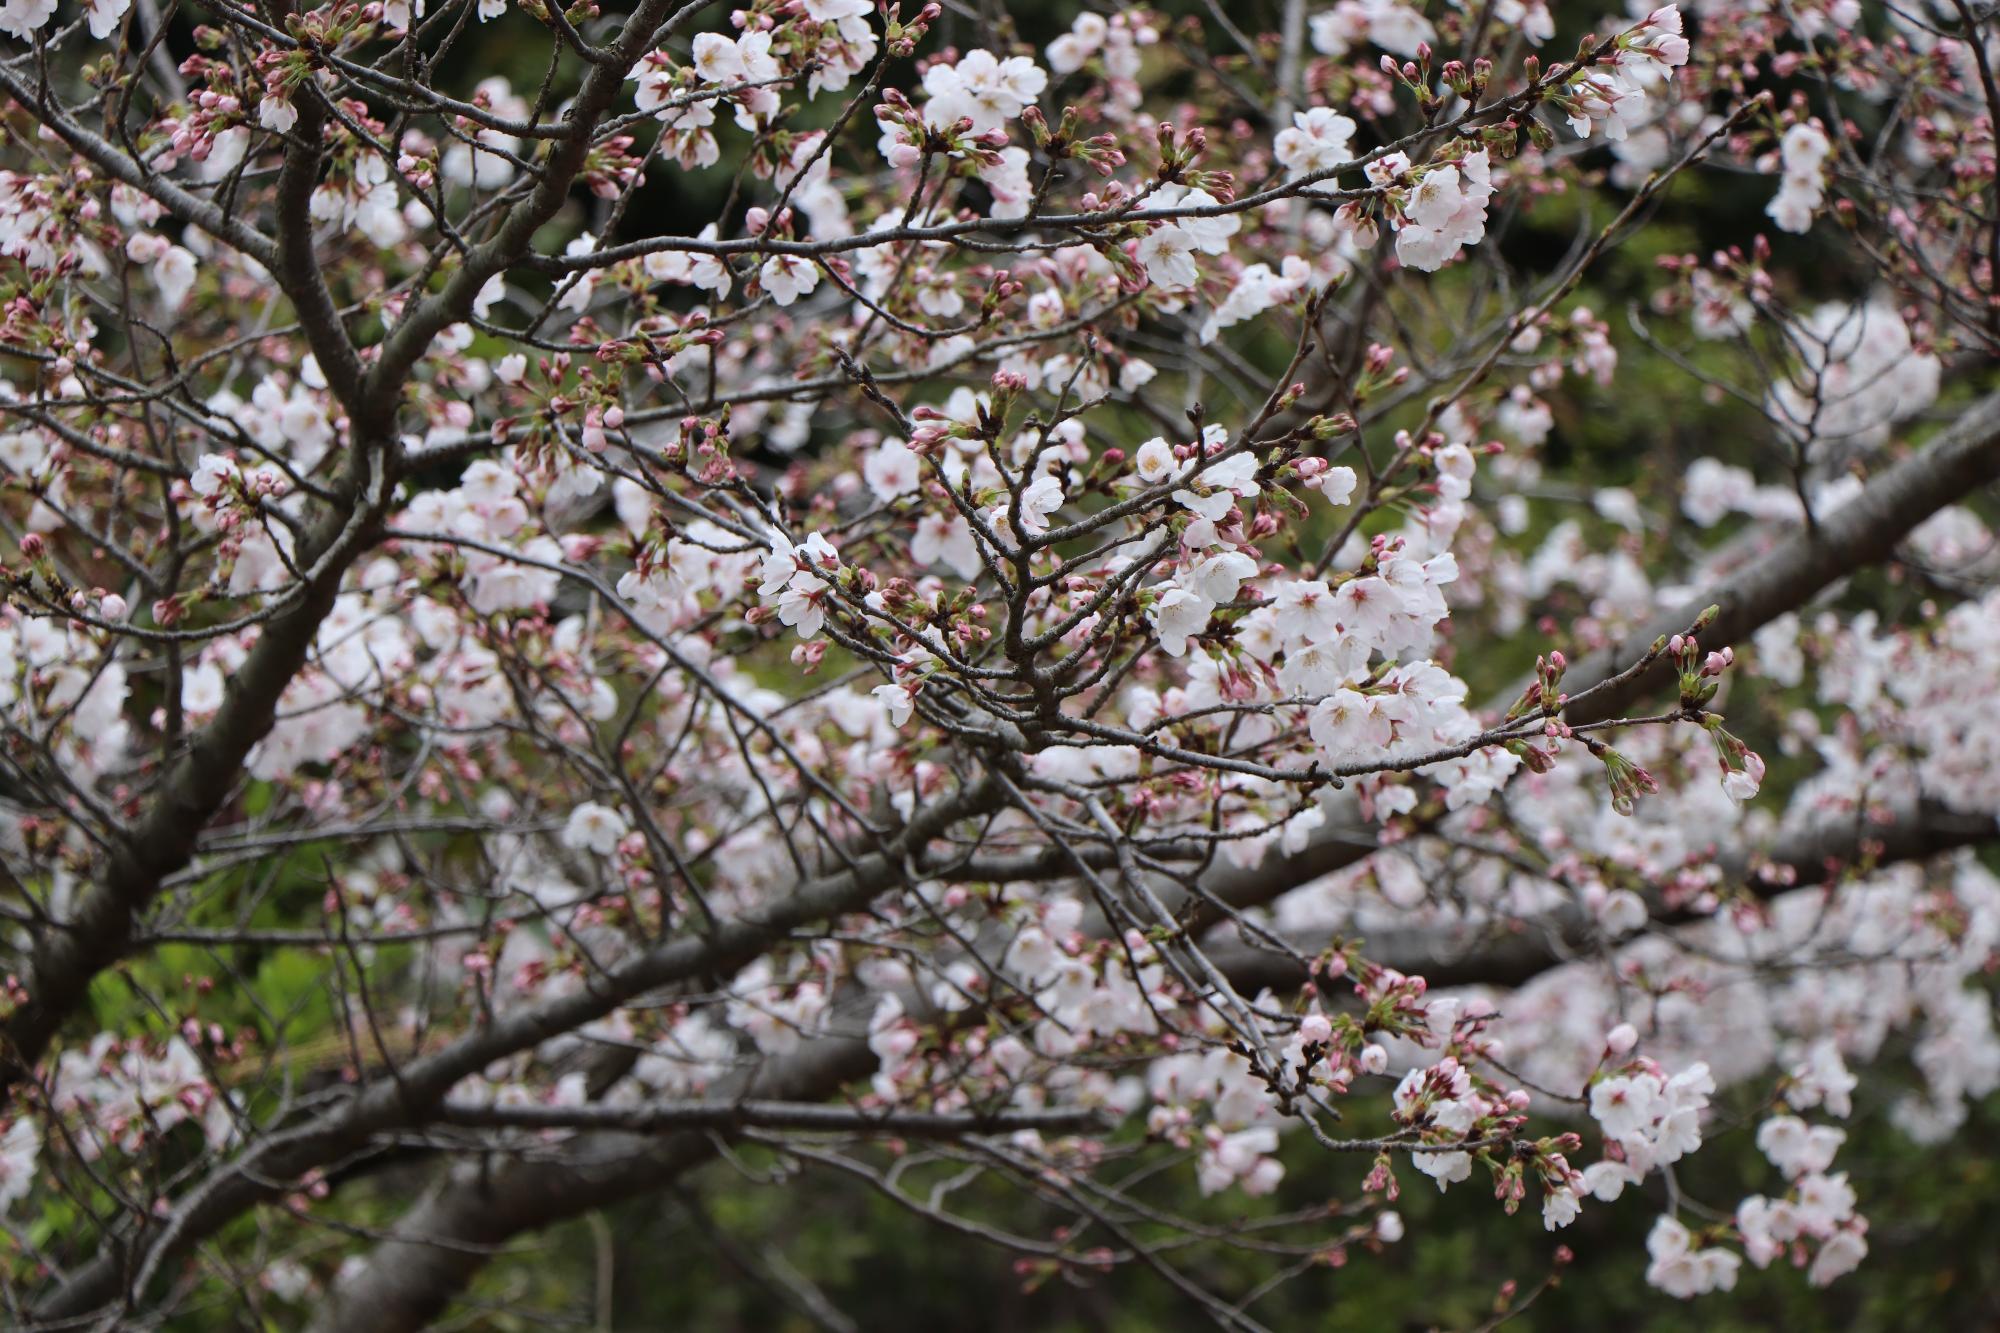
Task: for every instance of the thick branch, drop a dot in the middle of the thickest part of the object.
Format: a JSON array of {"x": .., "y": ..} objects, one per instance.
[
  {"x": 1808, "y": 857},
  {"x": 434, "y": 1251},
  {"x": 653, "y": 1117},
  {"x": 1864, "y": 532},
  {"x": 297, "y": 269}
]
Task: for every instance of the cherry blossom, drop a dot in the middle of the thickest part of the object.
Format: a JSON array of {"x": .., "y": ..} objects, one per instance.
[{"x": 827, "y": 588}]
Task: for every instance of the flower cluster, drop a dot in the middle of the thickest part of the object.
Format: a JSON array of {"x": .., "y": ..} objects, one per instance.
[{"x": 1802, "y": 158}]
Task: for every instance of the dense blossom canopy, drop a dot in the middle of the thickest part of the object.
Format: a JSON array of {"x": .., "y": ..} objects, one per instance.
[{"x": 829, "y": 579}]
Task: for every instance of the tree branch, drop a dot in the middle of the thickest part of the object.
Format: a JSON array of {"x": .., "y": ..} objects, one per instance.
[
  {"x": 1809, "y": 857},
  {"x": 1865, "y": 531},
  {"x": 653, "y": 1117}
]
